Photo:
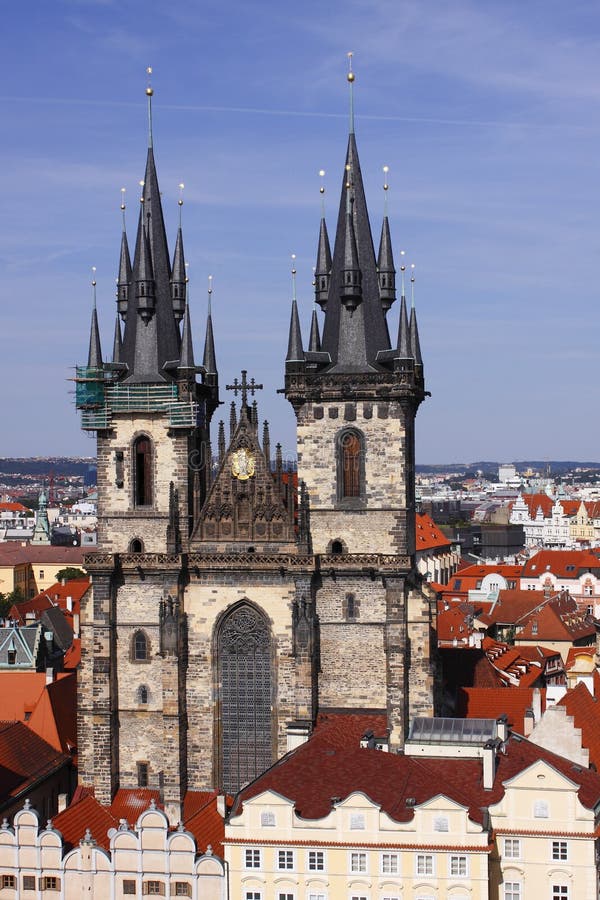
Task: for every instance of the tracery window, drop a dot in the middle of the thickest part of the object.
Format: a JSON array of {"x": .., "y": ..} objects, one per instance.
[
  {"x": 140, "y": 646},
  {"x": 350, "y": 463},
  {"x": 245, "y": 681}
]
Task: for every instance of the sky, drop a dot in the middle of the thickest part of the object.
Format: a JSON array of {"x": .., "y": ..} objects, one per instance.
[{"x": 486, "y": 112}]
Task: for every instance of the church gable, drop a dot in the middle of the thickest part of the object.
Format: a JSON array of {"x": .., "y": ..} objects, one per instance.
[{"x": 247, "y": 502}]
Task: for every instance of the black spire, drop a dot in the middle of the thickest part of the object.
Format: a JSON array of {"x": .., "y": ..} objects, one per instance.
[
  {"x": 314, "y": 343},
  {"x": 295, "y": 352},
  {"x": 404, "y": 351},
  {"x": 117, "y": 342},
  {"x": 385, "y": 268},
  {"x": 95, "y": 351},
  {"x": 415, "y": 344},
  {"x": 124, "y": 279},
  {"x": 323, "y": 268},
  {"x": 151, "y": 337},
  {"x": 178, "y": 279},
  {"x": 187, "y": 347},
  {"x": 210, "y": 360},
  {"x": 354, "y": 332}
]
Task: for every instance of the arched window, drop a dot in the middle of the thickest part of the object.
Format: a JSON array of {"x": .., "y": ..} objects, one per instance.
[
  {"x": 337, "y": 548},
  {"x": 142, "y": 693},
  {"x": 136, "y": 546},
  {"x": 140, "y": 646},
  {"x": 245, "y": 678},
  {"x": 142, "y": 471},
  {"x": 350, "y": 465}
]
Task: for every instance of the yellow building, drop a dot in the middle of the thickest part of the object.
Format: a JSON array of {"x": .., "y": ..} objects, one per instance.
[{"x": 31, "y": 568}]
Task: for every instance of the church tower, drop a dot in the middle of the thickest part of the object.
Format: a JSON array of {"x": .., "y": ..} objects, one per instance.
[{"x": 355, "y": 394}]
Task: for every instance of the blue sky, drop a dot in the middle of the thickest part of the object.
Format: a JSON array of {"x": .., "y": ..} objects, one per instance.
[{"x": 487, "y": 114}]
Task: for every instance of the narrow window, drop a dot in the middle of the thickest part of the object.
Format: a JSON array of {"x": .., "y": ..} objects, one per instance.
[
  {"x": 350, "y": 447},
  {"x": 136, "y": 546},
  {"x": 140, "y": 646},
  {"x": 142, "y": 774},
  {"x": 142, "y": 460},
  {"x": 142, "y": 694}
]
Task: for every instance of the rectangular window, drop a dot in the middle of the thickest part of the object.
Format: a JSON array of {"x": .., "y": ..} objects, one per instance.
[
  {"x": 316, "y": 861},
  {"x": 154, "y": 888},
  {"x": 50, "y": 883},
  {"x": 252, "y": 895},
  {"x": 512, "y": 890},
  {"x": 252, "y": 858},
  {"x": 284, "y": 896},
  {"x": 559, "y": 851},
  {"x": 512, "y": 848},
  {"x": 285, "y": 859},
  {"x": 9, "y": 882},
  {"x": 358, "y": 862},
  {"x": 560, "y": 892},
  {"x": 129, "y": 886},
  {"x": 317, "y": 897},
  {"x": 424, "y": 864},
  {"x": 390, "y": 863},
  {"x": 183, "y": 889},
  {"x": 458, "y": 866},
  {"x": 142, "y": 774},
  {"x": 29, "y": 882}
]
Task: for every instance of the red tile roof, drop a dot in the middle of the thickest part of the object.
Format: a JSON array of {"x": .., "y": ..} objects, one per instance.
[
  {"x": 12, "y": 553},
  {"x": 82, "y": 814},
  {"x": 316, "y": 771},
  {"x": 201, "y": 816},
  {"x": 24, "y": 759},
  {"x": 428, "y": 535},
  {"x": 562, "y": 563},
  {"x": 55, "y": 715},
  {"x": 130, "y": 803},
  {"x": 490, "y": 703},
  {"x": 15, "y": 507}
]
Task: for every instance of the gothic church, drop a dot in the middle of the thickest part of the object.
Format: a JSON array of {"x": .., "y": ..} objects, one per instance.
[{"x": 233, "y": 601}]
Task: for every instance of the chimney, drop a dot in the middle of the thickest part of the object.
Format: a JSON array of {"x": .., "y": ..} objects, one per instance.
[
  {"x": 528, "y": 721},
  {"x": 62, "y": 802},
  {"x": 221, "y": 805},
  {"x": 75, "y": 625},
  {"x": 537, "y": 704},
  {"x": 502, "y": 727},
  {"x": 489, "y": 767},
  {"x": 69, "y": 604},
  {"x": 49, "y": 675},
  {"x": 63, "y": 581}
]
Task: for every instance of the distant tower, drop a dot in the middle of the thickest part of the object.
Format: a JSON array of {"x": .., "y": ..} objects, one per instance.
[
  {"x": 355, "y": 395},
  {"x": 41, "y": 532}
]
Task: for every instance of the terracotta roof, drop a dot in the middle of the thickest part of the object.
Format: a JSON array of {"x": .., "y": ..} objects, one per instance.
[
  {"x": 20, "y": 693},
  {"x": 428, "y": 535},
  {"x": 72, "y": 657},
  {"x": 85, "y": 813},
  {"x": 15, "y": 507},
  {"x": 24, "y": 759},
  {"x": 201, "y": 816},
  {"x": 574, "y": 652},
  {"x": 12, "y": 553},
  {"x": 512, "y": 605},
  {"x": 55, "y": 715},
  {"x": 130, "y": 803},
  {"x": 454, "y": 623},
  {"x": 490, "y": 703},
  {"x": 562, "y": 563},
  {"x": 315, "y": 771},
  {"x": 535, "y": 501},
  {"x": 585, "y": 711},
  {"x": 557, "y": 620}
]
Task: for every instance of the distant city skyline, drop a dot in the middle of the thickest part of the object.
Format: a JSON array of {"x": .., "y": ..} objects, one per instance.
[{"x": 487, "y": 116}]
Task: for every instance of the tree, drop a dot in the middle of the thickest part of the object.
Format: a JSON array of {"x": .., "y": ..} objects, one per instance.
[
  {"x": 7, "y": 600},
  {"x": 69, "y": 573}
]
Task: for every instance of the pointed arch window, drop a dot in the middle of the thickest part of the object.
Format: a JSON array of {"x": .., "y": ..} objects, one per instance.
[
  {"x": 142, "y": 471},
  {"x": 245, "y": 678},
  {"x": 351, "y": 466},
  {"x": 140, "y": 647}
]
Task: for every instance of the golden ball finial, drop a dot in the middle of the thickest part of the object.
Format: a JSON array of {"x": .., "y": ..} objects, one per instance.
[
  {"x": 149, "y": 91},
  {"x": 351, "y": 76}
]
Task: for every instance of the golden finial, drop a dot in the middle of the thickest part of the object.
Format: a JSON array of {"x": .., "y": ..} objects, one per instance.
[
  {"x": 322, "y": 192},
  {"x": 123, "y": 206},
  {"x": 403, "y": 270},
  {"x": 180, "y": 201},
  {"x": 386, "y": 169},
  {"x": 350, "y": 76},
  {"x": 314, "y": 281},
  {"x": 141, "y": 184},
  {"x": 322, "y": 175},
  {"x": 412, "y": 285},
  {"x": 149, "y": 89},
  {"x": 348, "y": 170},
  {"x": 94, "y": 286},
  {"x": 187, "y": 277},
  {"x": 210, "y": 290},
  {"x": 149, "y": 92}
]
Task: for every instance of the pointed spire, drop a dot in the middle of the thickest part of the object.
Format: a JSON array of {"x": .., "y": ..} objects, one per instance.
[
  {"x": 314, "y": 343},
  {"x": 117, "y": 342},
  {"x": 95, "y": 351},
  {"x": 124, "y": 277},
  {"x": 149, "y": 93},
  {"x": 144, "y": 280},
  {"x": 385, "y": 259},
  {"x": 187, "y": 347},
  {"x": 323, "y": 268},
  {"x": 209, "y": 361},
  {"x": 266, "y": 443},
  {"x": 415, "y": 345},
  {"x": 232, "y": 420},
  {"x": 178, "y": 277},
  {"x": 221, "y": 442},
  {"x": 351, "y": 79},
  {"x": 351, "y": 286},
  {"x": 295, "y": 351}
]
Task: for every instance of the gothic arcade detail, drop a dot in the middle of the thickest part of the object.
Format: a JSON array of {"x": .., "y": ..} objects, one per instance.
[{"x": 245, "y": 688}]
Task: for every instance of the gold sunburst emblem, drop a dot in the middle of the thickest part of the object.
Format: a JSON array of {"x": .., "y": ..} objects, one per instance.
[{"x": 242, "y": 464}]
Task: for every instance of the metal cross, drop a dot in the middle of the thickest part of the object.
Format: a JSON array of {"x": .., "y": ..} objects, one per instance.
[{"x": 244, "y": 387}]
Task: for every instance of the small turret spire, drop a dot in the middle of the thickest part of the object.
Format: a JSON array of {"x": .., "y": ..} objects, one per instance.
[
  {"x": 145, "y": 296},
  {"x": 266, "y": 443},
  {"x": 314, "y": 343},
  {"x": 351, "y": 78},
  {"x": 95, "y": 351},
  {"x": 350, "y": 288},
  {"x": 385, "y": 259},
  {"x": 209, "y": 361},
  {"x": 403, "y": 332},
  {"x": 149, "y": 93},
  {"x": 187, "y": 347},
  {"x": 221, "y": 442},
  {"x": 178, "y": 276},
  {"x": 323, "y": 267},
  {"x": 124, "y": 276},
  {"x": 295, "y": 351},
  {"x": 117, "y": 342},
  {"x": 232, "y": 420},
  {"x": 415, "y": 344}
]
